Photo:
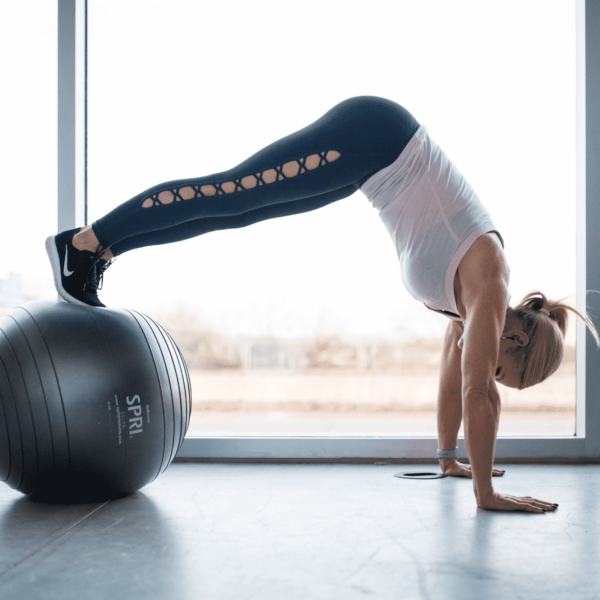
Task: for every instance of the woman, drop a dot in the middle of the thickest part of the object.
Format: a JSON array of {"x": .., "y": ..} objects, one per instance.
[{"x": 451, "y": 256}]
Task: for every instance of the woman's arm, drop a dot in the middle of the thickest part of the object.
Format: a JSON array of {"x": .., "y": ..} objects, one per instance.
[
  {"x": 449, "y": 402},
  {"x": 484, "y": 295},
  {"x": 481, "y": 400}
]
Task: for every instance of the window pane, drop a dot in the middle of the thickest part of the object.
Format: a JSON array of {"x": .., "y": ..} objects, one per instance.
[
  {"x": 28, "y": 149},
  {"x": 301, "y": 324}
]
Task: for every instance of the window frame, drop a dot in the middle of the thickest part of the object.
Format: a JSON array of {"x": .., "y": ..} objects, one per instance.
[{"x": 584, "y": 446}]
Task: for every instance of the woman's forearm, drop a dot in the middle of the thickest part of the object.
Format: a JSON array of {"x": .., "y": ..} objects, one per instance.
[
  {"x": 449, "y": 401},
  {"x": 449, "y": 418},
  {"x": 481, "y": 416}
]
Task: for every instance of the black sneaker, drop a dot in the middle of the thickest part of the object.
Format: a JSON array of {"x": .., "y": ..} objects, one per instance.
[{"x": 77, "y": 273}]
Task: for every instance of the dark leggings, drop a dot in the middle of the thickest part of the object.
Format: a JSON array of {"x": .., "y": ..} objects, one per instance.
[{"x": 324, "y": 162}]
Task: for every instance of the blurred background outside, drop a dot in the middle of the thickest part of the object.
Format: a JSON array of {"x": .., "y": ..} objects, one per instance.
[
  {"x": 301, "y": 325},
  {"x": 337, "y": 384}
]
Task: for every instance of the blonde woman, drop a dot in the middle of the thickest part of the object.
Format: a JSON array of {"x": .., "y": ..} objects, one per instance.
[{"x": 451, "y": 256}]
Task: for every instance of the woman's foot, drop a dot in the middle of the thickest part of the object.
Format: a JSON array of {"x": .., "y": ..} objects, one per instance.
[{"x": 77, "y": 273}]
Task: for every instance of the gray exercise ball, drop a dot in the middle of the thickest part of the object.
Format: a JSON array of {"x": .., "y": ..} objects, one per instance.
[{"x": 94, "y": 402}]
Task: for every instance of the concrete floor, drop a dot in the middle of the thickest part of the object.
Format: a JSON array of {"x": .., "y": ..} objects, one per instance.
[{"x": 286, "y": 532}]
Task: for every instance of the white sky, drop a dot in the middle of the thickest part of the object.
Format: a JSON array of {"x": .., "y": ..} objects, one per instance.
[{"x": 182, "y": 89}]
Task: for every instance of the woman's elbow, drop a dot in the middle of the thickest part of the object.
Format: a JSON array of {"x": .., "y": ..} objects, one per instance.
[{"x": 481, "y": 394}]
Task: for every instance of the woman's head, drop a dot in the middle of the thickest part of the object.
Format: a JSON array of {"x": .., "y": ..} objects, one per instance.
[{"x": 538, "y": 326}]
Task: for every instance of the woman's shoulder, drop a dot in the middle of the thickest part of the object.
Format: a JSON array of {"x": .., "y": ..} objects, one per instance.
[
  {"x": 481, "y": 272},
  {"x": 486, "y": 247}
]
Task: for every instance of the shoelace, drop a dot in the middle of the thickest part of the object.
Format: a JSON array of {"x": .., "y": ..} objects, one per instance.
[{"x": 95, "y": 276}]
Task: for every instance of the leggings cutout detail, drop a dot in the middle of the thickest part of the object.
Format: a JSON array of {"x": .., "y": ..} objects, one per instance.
[{"x": 266, "y": 177}]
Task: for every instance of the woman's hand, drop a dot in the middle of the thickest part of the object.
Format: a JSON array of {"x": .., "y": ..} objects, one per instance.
[
  {"x": 451, "y": 467},
  {"x": 515, "y": 503}
]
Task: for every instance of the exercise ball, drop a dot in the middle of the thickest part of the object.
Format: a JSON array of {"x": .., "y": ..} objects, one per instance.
[{"x": 94, "y": 402}]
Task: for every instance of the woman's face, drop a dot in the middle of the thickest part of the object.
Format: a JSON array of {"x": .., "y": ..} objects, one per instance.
[{"x": 507, "y": 372}]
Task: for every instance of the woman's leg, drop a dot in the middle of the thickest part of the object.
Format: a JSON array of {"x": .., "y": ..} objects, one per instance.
[
  {"x": 192, "y": 229},
  {"x": 317, "y": 165},
  {"x": 352, "y": 141}
]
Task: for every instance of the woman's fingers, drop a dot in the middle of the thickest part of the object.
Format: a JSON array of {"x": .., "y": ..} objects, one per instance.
[
  {"x": 497, "y": 473},
  {"x": 535, "y": 502}
]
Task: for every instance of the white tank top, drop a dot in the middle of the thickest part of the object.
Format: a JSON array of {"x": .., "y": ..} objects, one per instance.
[{"x": 433, "y": 216}]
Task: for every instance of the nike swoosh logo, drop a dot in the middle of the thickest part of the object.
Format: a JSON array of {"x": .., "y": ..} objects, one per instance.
[{"x": 66, "y": 271}]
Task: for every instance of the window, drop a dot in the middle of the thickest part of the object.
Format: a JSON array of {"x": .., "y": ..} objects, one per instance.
[{"x": 150, "y": 124}]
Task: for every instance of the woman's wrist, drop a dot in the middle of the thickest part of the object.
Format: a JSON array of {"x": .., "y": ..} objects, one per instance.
[
  {"x": 450, "y": 452},
  {"x": 484, "y": 495}
]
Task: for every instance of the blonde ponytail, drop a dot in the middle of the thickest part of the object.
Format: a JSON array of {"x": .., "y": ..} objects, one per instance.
[{"x": 545, "y": 322}]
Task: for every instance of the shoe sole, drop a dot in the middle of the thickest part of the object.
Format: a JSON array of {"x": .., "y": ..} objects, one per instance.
[{"x": 55, "y": 264}]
